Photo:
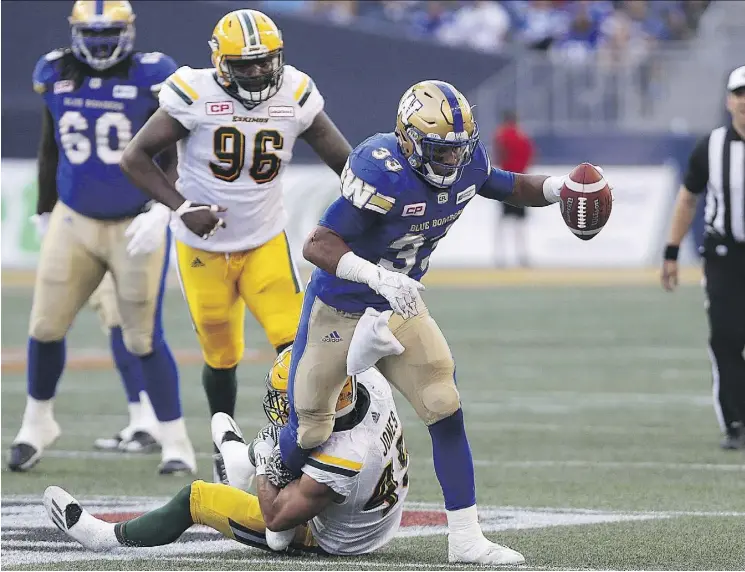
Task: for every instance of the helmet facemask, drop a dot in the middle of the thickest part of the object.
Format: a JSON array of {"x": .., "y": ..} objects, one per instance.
[
  {"x": 254, "y": 79},
  {"x": 104, "y": 45},
  {"x": 441, "y": 161}
]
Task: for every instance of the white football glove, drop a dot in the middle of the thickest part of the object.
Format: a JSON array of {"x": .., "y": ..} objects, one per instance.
[
  {"x": 401, "y": 291},
  {"x": 41, "y": 222},
  {"x": 372, "y": 340},
  {"x": 147, "y": 232}
]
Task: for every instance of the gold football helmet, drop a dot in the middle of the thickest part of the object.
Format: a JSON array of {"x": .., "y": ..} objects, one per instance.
[
  {"x": 276, "y": 405},
  {"x": 103, "y": 32},
  {"x": 248, "y": 55},
  {"x": 436, "y": 131}
]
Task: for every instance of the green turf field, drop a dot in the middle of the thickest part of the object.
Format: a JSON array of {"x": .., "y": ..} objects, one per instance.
[{"x": 588, "y": 409}]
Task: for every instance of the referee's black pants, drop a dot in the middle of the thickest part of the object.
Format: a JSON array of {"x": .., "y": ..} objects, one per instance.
[{"x": 724, "y": 268}]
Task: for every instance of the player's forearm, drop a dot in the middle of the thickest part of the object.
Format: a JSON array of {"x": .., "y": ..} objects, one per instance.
[
  {"x": 328, "y": 142},
  {"x": 148, "y": 176},
  {"x": 529, "y": 191},
  {"x": 282, "y": 509},
  {"x": 324, "y": 248},
  {"x": 47, "y": 167},
  {"x": 685, "y": 210},
  {"x": 169, "y": 164}
]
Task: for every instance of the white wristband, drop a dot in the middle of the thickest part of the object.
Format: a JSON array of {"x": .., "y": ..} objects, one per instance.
[
  {"x": 183, "y": 209},
  {"x": 352, "y": 267},
  {"x": 552, "y": 189}
]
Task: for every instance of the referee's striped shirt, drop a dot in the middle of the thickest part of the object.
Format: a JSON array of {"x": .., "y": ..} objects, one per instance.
[{"x": 717, "y": 166}]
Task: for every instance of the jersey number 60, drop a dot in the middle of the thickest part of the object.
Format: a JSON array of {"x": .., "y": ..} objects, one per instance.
[
  {"x": 78, "y": 147},
  {"x": 230, "y": 150}
]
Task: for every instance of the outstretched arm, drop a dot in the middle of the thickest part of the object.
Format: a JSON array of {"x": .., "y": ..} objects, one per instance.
[
  {"x": 328, "y": 142},
  {"x": 521, "y": 190},
  {"x": 295, "y": 504}
]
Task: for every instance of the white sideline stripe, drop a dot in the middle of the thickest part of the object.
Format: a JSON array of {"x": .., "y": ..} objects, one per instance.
[{"x": 113, "y": 456}]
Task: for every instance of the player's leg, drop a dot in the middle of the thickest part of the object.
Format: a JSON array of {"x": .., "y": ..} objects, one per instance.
[
  {"x": 271, "y": 287},
  {"x": 234, "y": 513},
  {"x": 139, "y": 434},
  {"x": 425, "y": 374},
  {"x": 140, "y": 286},
  {"x": 208, "y": 283},
  {"x": 318, "y": 371},
  {"x": 68, "y": 273}
]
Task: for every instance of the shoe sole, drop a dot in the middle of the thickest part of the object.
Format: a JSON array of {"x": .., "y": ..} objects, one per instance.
[{"x": 28, "y": 465}]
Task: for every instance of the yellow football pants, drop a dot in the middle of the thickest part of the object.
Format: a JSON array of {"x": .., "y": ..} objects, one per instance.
[
  {"x": 236, "y": 514},
  {"x": 218, "y": 286}
]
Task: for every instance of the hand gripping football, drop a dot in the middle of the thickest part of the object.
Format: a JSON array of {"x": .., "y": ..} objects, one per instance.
[{"x": 586, "y": 201}]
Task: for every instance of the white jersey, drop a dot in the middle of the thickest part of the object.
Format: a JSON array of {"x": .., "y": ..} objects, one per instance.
[
  {"x": 367, "y": 465},
  {"x": 234, "y": 156}
]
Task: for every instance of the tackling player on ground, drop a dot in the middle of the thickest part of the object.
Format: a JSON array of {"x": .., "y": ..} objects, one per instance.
[
  {"x": 236, "y": 125},
  {"x": 348, "y": 501},
  {"x": 401, "y": 193},
  {"x": 97, "y": 94}
]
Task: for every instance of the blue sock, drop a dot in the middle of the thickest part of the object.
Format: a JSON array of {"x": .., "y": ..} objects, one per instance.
[
  {"x": 46, "y": 360},
  {"x": 293, "y": 456},
  {"x": 129, "y": 366},
  {"x": 453, "y": 461},
  {"x": 161, "y": 381}
]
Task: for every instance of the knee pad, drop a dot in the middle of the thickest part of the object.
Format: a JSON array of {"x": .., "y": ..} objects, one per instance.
[
  {"x": 45, "y": 330},
  {"x": 439, "y": 397},
  {"x": 139, "y": 343},
  {"x": 314, "y": 429}
]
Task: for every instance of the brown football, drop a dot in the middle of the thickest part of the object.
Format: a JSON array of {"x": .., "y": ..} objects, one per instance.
[{"x": 586, "y": 201}]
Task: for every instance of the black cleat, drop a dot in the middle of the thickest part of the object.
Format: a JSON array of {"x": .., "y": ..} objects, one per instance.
[
  {"x": 735, "y": 439},
  {"x": 175, "y": 467},
  {"x": 22, "y": 457},
  {"x": 141, "y": 442}
]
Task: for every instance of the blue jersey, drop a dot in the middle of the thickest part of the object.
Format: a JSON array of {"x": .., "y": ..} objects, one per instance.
[
  {"x": 391, "y": 216},
  {"x": 95, "y": 116}
]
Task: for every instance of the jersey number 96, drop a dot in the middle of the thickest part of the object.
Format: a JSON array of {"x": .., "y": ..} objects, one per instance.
[{"x": 230, "y": 150}]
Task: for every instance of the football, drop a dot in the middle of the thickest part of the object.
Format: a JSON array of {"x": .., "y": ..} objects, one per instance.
[{"x": 586, "y": 201}]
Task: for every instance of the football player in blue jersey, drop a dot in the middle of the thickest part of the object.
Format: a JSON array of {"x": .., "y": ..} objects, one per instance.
[
  {"x": 98, "y": 93},
  {"x": 401, "y": 193}
]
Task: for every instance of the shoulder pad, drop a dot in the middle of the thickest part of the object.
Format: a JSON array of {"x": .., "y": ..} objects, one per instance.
[
  {"x": 47, "y": 68},
  {"x": 152, "y": 69},
  {"x": 481, "y": 160},
  {"x": 301, "y": 84},
  {"x": 368, "y": 184},
  {"x": 56, "y": 54},
  {"x": 182, "y": 82}
]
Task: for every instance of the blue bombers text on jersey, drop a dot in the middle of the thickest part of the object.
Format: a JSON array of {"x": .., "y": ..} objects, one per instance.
[
  {"x": 95, "y": 115},
  {"x": 390, "y": 216}
]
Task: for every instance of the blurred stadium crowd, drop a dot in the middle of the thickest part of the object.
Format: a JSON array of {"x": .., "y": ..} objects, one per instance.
[{"x": 573, "y": 28}]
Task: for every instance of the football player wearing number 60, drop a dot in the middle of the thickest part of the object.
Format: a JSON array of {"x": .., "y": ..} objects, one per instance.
[
  {"x": 97, "y": 94},
  {"x": 236, "y": 125}
]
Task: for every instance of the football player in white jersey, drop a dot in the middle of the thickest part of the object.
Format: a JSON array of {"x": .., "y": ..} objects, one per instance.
[
  {"x": 349, "y": 500},
  {"x": 236, "y": 125}
]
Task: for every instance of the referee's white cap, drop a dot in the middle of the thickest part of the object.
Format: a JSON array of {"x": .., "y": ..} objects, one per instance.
[{"x": 736, "y": 79}]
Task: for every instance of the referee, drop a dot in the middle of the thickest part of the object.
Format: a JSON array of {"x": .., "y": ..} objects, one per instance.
[{"x": 716, "y": 168}]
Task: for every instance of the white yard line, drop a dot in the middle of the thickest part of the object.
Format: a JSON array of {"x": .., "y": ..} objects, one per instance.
[{"x": 525, "y": 464}]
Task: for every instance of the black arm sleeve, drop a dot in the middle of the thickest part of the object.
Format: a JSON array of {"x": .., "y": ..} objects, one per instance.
[{"x": 697, "y": 175}]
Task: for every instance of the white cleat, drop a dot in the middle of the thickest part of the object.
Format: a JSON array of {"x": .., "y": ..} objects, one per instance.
[
  {"x": 227, "y": 437},
  {"x": 67, "y": 514},
  {"x": 28, "y": 446},
  {"x": 177, "y": 455},
  {"x": 479, "y": 550}
]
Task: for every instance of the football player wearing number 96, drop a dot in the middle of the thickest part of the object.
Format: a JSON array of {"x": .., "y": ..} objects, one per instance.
[
  {"x": 97, "y": 94},
  {"x": 401, "y": 193},
  {"x": 236, "y": 125}
]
